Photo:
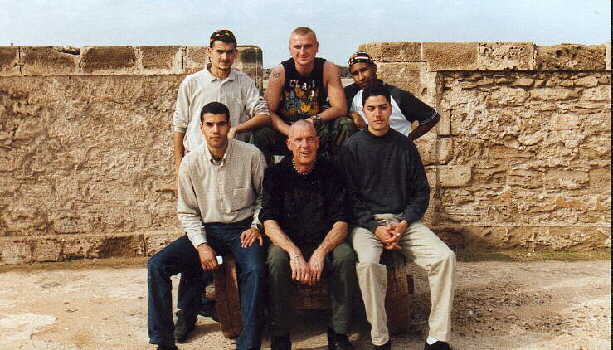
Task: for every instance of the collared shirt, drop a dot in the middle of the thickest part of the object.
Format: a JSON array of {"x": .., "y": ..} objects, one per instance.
[
  {"x": 219, "y": 191},
  {"x": 238, "y": 92}
]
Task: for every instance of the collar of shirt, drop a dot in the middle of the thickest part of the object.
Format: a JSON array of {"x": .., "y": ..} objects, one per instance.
[
  {"x": 222, "y": 162},
  {"x": 211, "y": 77}
]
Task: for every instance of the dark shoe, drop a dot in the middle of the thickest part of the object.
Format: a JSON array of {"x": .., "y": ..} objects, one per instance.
[
  {"x": 280, "y": 343},
  {"x": 337, "y": 341},
  {"x": 185, "y": 324},
  {"x": 167, "y": 347},
  {"x": 386, "y": 346},
  {"x": 439, "y": 345}
]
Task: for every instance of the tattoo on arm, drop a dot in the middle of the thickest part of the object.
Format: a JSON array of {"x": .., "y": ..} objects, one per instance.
[{"x": 275, "y": 75}]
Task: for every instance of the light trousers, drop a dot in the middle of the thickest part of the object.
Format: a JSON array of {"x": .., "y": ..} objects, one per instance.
[{"x": 421, "y": 246}]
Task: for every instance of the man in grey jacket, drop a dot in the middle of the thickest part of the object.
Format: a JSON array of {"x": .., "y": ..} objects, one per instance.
[{"x": 220, "y": 186}]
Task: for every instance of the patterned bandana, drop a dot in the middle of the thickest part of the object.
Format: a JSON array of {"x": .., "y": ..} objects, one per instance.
[
  {"x": 222, "y": 35},
  {"x": 358, "y": 57}
]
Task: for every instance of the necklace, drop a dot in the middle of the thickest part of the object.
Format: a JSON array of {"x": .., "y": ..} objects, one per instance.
[{"x": 303, "y": 173}]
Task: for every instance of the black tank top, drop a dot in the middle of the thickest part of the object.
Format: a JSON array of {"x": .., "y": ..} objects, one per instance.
[{"x": 303, "y": 96}]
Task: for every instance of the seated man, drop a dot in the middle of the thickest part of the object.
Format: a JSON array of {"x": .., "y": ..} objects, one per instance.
[
  {"x": 305, "y": 87},
  {"x": 304, "y": 215},
  {"x": 406, "y": 108},
  {"x": 389, "y": 194},
  {"x": 220, "y": 186}
]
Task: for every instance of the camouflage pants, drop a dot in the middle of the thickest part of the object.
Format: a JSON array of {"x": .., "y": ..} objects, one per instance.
[{"x": 331, "y": 134}]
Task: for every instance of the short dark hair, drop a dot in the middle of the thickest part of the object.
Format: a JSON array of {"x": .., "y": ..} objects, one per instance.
[
  {"x": 375, "y": 90},
  {"x": 215, "y": 108}
]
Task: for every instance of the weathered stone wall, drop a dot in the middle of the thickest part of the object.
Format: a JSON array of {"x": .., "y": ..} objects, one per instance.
[
  {"x": 522, "y": 155},
  {"x": 85, "y": 148}
]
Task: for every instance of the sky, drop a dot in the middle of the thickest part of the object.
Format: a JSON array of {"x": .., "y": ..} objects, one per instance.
[{"x": 340, "y": 25}]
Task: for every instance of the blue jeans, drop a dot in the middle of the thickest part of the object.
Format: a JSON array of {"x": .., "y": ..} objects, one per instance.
[{"x": 180, "y": 256}]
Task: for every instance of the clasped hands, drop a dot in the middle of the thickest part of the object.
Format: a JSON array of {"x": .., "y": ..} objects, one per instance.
[
  {"x": 206, "y": 253},
  {"x": 307, "y": 272},
  {"x": 390, "y": 234}
]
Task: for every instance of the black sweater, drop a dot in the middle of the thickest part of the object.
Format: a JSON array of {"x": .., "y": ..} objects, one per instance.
[
  {"x": 305, "y": 206},
  {"x": 384, "y": 174}
]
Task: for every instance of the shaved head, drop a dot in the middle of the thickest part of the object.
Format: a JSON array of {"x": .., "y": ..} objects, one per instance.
[
  {"x": 303, "y": 31},
  {"x": 300, "y": 125},
  {"x": 303, "y": 142}
]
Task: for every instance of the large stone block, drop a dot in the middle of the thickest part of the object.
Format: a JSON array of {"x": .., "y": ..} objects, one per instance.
[
  {"x": 571, "y": 57},
  {"x": 250, "y": 54},
  {"x": 566, "y": 179},
  {"x": 406, "y": 76},
  {"x": 454, "y": 175},
  {"x": 575, "y": 238},
  {"x": 565, "y": 122},
  {"x": 161, "y": 59},
  {"x": 48, "y": 60},
  {"x": 20, "y": 250},
  {"x": 250, "y": 62},
  {"x": 195, "y": 58},
  {"x": 506, "y": 56},
  {"x": 538, "y": 237},
  {"x": 108, "y": 60},
  {"x": 9, "y": 60},
  {"x": 553, "y": 94},
  {"x": 426, "y": 145},
  {"x": 450, "y": 56},
  {"x": 599, "y": 93},
  {"x": 445, "y": 150},
  {"x": 443, "y": 127},
  {"x": 393, "y": 51},
  {"x": 156, "y": 241}
]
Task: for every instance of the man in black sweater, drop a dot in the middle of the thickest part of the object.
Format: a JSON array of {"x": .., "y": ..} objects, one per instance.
[
  {"x": 389, "y": 194},
  {"x": 305, "y": 215}
]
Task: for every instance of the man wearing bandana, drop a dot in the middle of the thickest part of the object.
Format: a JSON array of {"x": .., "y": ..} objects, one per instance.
[
  {"x": 406, "y": 108},
  {"x": 305, "y": 87}
]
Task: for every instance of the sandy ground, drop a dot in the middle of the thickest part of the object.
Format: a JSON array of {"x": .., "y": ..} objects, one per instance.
[{"x": 499, "y": 305}]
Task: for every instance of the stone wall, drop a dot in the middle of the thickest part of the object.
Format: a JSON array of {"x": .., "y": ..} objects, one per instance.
[
  {"x": 85, "y": 148},
  {"x": 522, "y": 155}
]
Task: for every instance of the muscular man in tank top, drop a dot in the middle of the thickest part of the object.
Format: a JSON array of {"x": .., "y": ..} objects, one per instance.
[{"x": 305, "y": 87}]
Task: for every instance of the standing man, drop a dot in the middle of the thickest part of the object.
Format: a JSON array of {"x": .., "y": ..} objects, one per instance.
[
  {"x": 217, "y": 82},
  {"x": 220, "y": 185},
  {"x": 305, "y": 87},
  {"x": 406, "y": 108},
  {"x": 304, "y": 214},
  {"x": 390, "y": 194}
]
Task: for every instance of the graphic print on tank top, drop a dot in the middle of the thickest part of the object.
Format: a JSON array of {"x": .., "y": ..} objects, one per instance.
[{"x": 302, "y": 96}]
